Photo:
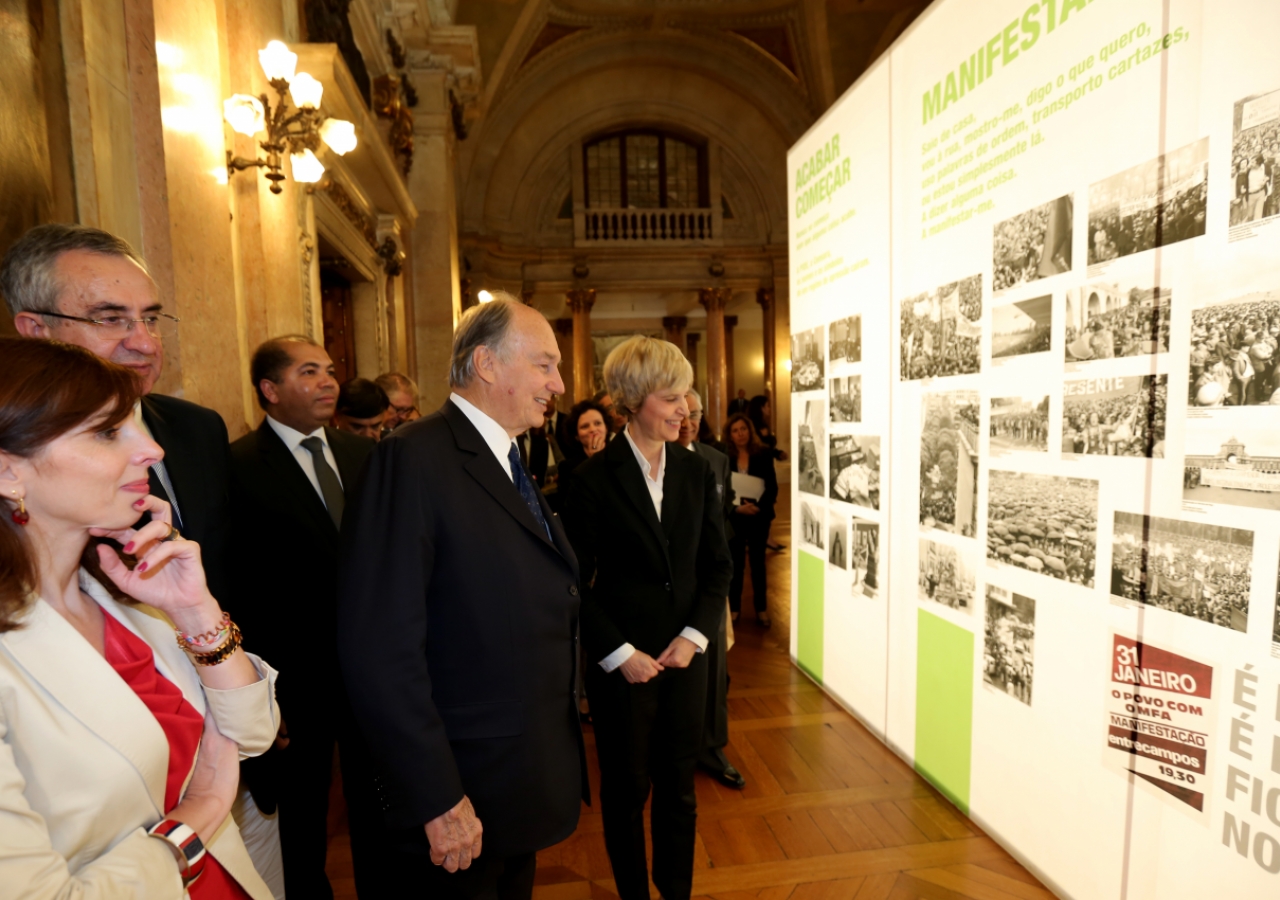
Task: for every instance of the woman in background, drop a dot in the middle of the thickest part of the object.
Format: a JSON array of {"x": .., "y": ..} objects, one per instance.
[{"x": 751, "y": 520}]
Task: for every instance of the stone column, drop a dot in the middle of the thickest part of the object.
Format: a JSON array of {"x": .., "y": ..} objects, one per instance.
[
  {"x": 691, "y": 350},
  {"x": 580, "y": 301},
  {"x": 713, "y": 299},
  {"x": 764, "y": 296},
  {"x": 730, "y": 322},
  {"x": 564, "y": 341},
  {"x": 673, "y": 329}
]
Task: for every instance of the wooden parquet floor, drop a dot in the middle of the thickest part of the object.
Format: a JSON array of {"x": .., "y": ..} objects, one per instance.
[{"x": 828, "y": 813}]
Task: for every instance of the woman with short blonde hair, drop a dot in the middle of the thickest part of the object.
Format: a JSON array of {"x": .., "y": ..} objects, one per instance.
[{"x": 648, "y": 530}]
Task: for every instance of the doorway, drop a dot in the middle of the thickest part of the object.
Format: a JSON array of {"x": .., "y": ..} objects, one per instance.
[{"x": 338, "y": 315}]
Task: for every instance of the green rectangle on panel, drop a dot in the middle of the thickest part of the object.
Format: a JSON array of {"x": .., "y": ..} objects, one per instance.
[
  {"x": 810, "y": 623},
  {"x": 944, "y": 706}
]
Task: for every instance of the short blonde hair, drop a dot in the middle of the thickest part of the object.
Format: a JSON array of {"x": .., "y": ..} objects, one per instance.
[{"x": 641, "y": 365}]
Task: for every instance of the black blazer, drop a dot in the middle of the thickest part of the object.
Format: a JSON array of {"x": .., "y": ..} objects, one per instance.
[
  {"x": 644, "y": 580},
  {"x": 196, "y": 458},
  {"x": 760, "y": 464},
  {"x": 457, "y": 621},
  {"x": 286, "y": 561},
  {"x": 720, "y": 469}
]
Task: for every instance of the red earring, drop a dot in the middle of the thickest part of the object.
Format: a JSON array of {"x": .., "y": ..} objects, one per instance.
[{"x": 20, "y": 515}]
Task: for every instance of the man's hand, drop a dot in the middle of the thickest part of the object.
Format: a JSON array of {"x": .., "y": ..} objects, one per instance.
[
  {"x": 455, "y": 837},
  {"x": 747, "y": 508},
  {"x": 639, "y": 667},
  {"x": 679, "y": 653}
]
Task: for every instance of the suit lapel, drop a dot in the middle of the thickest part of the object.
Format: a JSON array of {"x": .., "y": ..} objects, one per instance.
[
  {"x": 277, "y": 458},
  {"x": 348, "y": 464},
  {"x": 627, "y": 468},
  {"x": 178, "y": 458}
]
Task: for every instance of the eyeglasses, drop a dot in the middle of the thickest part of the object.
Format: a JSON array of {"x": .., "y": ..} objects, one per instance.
[
  {"x": 695, "y": 416},
  {"x": 115, "y": 326},
  {"x": 403, "y": 411}
]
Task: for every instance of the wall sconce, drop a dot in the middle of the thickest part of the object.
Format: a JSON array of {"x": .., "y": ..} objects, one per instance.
[{"x": 297, "y": 133}]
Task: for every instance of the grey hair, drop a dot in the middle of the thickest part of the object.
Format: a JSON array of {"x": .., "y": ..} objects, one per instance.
[
  {"x": 394, "y": 381},
  {"x": 485, "y": 325},
  {"x": 695, "y": 393},
  {"x": 28, "y": 275}
]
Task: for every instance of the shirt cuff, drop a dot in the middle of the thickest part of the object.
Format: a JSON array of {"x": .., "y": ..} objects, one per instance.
[
  {"x": 617, "y": 657},
  {"x": 693, "y": 634}
]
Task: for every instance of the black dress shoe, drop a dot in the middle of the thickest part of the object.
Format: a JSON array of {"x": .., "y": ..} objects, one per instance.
[
  {"x": 731, "y": 777},
  {"x": 718, "y": 767}
]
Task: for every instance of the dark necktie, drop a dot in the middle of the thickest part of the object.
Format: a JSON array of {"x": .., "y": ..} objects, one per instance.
[
  {"x": 330, "y": 486},
  {"x": 526, "y": 488}
]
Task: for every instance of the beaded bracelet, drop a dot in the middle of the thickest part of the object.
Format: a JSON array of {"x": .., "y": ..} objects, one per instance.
[{"x": 209, "y": 638}]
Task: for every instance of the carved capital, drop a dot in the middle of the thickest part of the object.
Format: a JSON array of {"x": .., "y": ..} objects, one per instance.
[
  {"x": 581, "y": 300},
  {"x": 714, "y": 299},
  {"x": 764, "y": 296}
]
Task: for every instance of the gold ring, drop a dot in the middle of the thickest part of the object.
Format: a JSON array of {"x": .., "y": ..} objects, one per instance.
[{"x": 173, "y": 535}]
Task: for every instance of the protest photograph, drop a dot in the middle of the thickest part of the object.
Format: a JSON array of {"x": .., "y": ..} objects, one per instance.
[
  {"x": 1032, "y": 245},
  {"x": 1008, "y": 654},
  {"x": 1234, "y": 352},
  {"x": 1226, "y": 462},
  {"x": 1021, "y": 328},
  {"x": 949, "y": 462},
  {"x": 1195, "y": 569},
  {"x": 1107, "y": 321},
  {"x": 864, "y": 557},
  {"x": 941, "y": 332},
  {"x": 1255, "y": 149},
  {"x": 1045, "y": 524},
  {"x": 1154, "y": 204},
  {"x": 846, "y": 340},
  {"x": 1019, "y": 424},
  {"x": 946, "y": 576},
  {"x": 846, "y": 398},
  {"x": 813, "y": 434},
  {"x": 1121, "y": 416},
  {"x": 855, "y": 469},
  {"x": 812, "y": 525},
  {"x": 807, "y": 365},
  {"x": 837, "y": 541}
]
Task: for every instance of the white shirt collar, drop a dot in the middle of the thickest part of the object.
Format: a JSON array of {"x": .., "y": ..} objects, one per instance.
[
  {"x": 494, "y": 434},
  {"x": 644, "y": 463},
  {"x": 292, "y": 437}
]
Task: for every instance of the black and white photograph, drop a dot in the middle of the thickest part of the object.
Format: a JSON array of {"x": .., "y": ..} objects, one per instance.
[
  {"x": 837, "y": 540},
  {"x": 1195, "y": 569},
  {"x": 807, "y": 365},
  {"x": 1107, "y": 320},
  {"x": 1008, "y": 650},
  {"x": 1032, "y": 245},
  {"x": 949, "y": 462},
  {"x": 846, "y": 398},
  {"x": 1154, "y": 204},
  {"x": 813, "y": 435},
  {"x": 946, "y": 576},
  {"x": 1045, "y": 524},
  {"x": 1255, "y": 149},
  {"x": 846, "y": 340},
  {"x": 813, "y": 526},
  {"x": 942, "y": 331},
  {"x": 1234, "y": 352},
  {"x": 1021, "y": 328},
  {"x": 1230, "y": 464},
  {"x": 1121, "y": 416},
  {"x": 855, "y": 469},
  {"x": 864, "y": 557},
  {"x": 1275, "y": 620},
  {"x": 1019, "y": 424}
]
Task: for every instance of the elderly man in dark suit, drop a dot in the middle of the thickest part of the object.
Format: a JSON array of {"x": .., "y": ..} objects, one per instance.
[
  {"x": 458, "y": 616},
  {"x": 290, "y": 480}
]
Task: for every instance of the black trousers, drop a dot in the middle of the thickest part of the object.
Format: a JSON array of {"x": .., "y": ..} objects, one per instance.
[
  {"x": 489, "y": 877},
  {"x": 715, "y": 729},
  {"x": 748, "y": 545},
  {"x": 648, "y": 736}
]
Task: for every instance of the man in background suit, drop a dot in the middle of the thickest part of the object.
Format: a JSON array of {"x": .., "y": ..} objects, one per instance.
[
  {"x": 289, "y": 482},
  {"x": 716, "y": 730},
  {"x": 458, "y": 612}
]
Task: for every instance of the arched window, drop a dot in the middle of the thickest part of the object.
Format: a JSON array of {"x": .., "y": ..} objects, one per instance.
[{"x": 645, "y": 169}]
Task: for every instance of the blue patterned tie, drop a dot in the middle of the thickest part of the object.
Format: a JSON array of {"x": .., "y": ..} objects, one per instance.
[{"x": 526, "y": 488}]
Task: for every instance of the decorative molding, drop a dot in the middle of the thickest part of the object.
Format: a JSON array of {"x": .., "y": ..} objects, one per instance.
[
  {"x": 352, "y": 211},
  {"x": 307, "y": 253}
]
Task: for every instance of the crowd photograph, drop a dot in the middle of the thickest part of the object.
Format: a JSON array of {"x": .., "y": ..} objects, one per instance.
[
  {"x": 1019, "y": 424},
  {"x": 941, "y": 332},
  {"x": 1235, "y": 350},
  {"x": 1121, "y": 416},
  {"x": 1105, "y": 322},
  {"x": 1194, "y": 569},
  {"x": 812, "y": 443},
  {"x": 1047, "y": 524},
  {"x": 1154, "y": 204},
  {"x": 808, "y": 365},
  {"x": 855, "y": 469},
  {"x": 846, "y": 398},
  {"x": 1032, "y": 245},
  {"x": 864, "y": 559},
  {"x": 1255, "y": 149},
  {"x": 845, "y": 337},
  {"x": 949, "y": 462},
  {"x": 946, "y": 576},
  {"x": 1021, "y": 327},
  {"x": 1009, "y": 641}
]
